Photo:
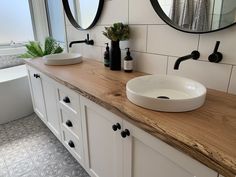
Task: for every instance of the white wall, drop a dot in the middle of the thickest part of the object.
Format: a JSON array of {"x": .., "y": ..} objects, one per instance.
[{"x": 155, "y": 46}]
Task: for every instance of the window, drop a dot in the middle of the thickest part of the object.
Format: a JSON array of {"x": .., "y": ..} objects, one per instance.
[
  {"x": 16, "y": 22},
  {"x": 56, "y": 20}
]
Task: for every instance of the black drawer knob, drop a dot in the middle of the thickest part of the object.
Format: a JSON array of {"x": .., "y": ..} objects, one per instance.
[
  {"x": 69, "y": 123},
  {"x": 36, "y": 76},
  {"x": 125, "y": 133},
  {"x": 71, "y": 144},
  {"x": 115, "y": 127},
  {"x": 66, "y": 99}
]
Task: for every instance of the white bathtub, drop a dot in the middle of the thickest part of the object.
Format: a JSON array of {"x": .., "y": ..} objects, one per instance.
[{"x": 15, "y": 98}]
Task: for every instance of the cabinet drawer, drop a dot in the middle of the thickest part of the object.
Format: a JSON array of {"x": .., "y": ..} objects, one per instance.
[
  {"x": 69, "y": 100},
  {"x": 72, "y": 144},
  {"x": 71, "y": 122}
]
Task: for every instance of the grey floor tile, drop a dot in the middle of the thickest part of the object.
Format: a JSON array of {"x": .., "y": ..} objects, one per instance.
[
  {"x": 75, "y": 171},
  {"x": 43, "y": 159},
  {"x": 53, "y": 169},
  {"x": 29, "y": 149},
  {"x": 33, "y": 173},
  {"x": 2, "y": 163},
  {"x": 15, "y": 157},
  {"x": 21, "y": 168},
  {"x": 4, "y": 172},
  {"x": 3, "y": 138}
]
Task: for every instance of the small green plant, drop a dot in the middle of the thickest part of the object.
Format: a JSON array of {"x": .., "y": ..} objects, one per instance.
[
  {"x": 117, "y": 32},
  {"x": 34, "y": 49}
]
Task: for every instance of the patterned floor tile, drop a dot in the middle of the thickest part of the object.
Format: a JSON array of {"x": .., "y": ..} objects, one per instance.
[
  {"x": 21, "y": 168},
  {"x": 43, "y": 159},
  {"x": 3, "y": 138},
  {"x": 29, "y": 149},
  {"x": 75, "y": 171},
  {"x": 50, "y": 170},
  {"x": 4, "y": 172},
  {"x": 2, "y": 163},
  {"x": 16, "y": 156},
  {"x": 33, "y": 173}
]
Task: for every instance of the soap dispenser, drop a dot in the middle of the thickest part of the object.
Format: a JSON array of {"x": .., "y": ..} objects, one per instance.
[
  {"x": 107, "y": 56},
  {"x": 128, "y": 62}
]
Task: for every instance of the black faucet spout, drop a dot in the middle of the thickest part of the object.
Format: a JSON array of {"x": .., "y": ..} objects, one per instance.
[
  {"x": 77, "y": 42},
  {"x": 86, "y": 41},
  {"x": 194, "y": 55}
]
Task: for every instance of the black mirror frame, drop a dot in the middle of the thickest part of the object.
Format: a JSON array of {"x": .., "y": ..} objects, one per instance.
[
  {"x": 73, "y": 21},
  {"x": 166, "y": 19}
]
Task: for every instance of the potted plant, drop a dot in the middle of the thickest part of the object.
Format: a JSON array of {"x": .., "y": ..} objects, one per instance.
[
  {"x": 116, "y": 33},
  {"x": 34, "y": 49}
]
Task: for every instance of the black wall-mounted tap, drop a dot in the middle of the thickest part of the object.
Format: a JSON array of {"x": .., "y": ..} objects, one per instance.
[
  {"x": 194, "y": 55},
  {"x": 86, "y": 41},
  {"x": 216, "y": 56}
]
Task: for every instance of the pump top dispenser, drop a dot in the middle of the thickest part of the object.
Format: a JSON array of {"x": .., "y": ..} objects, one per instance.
[
  {"x": 107, "y": 56},
  {"x": 128, "y": 62}
]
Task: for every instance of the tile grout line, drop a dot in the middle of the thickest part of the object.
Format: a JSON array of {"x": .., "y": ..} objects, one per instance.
[
  {"x": 146, "y": 38},
  {"x": 230, "y": 77},
  {"x": 198, "y": 44},
  {"x": 167, "y": 65}
]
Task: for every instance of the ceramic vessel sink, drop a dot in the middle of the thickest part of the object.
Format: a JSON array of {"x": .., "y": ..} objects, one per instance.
[
  {"x": 166, "y": 93},
  {"x": 62, "y": 59}
]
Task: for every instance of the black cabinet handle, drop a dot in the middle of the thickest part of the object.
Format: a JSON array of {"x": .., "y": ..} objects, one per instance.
[
  {"x": 69, "y": 123},
  {"x": 71, "y": 144},
  {"x": 115, "y": 127},
  {"x": 36, "y": 76},
  {"x": 125, "y": 133},
  {"x": 66, "y": 99}
]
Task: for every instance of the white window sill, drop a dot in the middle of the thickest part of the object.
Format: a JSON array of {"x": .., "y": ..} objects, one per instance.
[{"x": 12, "y": 50}]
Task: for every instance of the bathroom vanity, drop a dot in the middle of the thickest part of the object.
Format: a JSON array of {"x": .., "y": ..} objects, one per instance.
[{"x": 86, "y": 107}]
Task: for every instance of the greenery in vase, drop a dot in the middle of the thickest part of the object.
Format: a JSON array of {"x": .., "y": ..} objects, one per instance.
[
  {"x": 34, "y": 48},
  {"x": 117, "y": 32}
]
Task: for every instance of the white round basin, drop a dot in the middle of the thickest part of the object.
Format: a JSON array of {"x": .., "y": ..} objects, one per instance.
[
  {"x": 62, "y": 59},
  {"x": 166, "y": 93}
]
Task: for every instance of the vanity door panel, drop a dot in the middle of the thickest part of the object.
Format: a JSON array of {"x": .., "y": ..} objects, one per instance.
[
  {"x": 103, "y": 145},
  {"x": 145, "y": 155},
  {"x": 51, "y": 99},
  {"x": 37, "y": 93}
]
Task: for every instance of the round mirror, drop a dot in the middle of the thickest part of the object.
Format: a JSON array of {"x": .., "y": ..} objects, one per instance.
[
  {"x": 197, "y": 16},
  {"x": 83, "y": 14}
]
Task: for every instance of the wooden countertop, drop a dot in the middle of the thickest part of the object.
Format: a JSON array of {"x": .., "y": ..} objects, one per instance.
[{"x": 207, "y": 134}]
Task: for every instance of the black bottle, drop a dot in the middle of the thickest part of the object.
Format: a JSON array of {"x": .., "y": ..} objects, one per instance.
[
  {"x": 128, "y": 62},
  {"x": 107, "y": 56}
]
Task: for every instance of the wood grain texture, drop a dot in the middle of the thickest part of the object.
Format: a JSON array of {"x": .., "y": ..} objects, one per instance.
[{"x": 207, "y": 134}]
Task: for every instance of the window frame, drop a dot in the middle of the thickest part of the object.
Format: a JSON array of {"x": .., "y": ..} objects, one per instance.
[
  {"x": 63, "y": 44},
  {"x": 41, "y": 28},
  {"x": 49, "y": 23},
  {"x": 12, "y": 44}
]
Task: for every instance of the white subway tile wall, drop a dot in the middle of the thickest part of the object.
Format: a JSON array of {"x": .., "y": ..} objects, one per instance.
[
  {"x": 155, "y": 46},
  {"x": 217, "y": 78},
  {"x": 227, "y": 46}
]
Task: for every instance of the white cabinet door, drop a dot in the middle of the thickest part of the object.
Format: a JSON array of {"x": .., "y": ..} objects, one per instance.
[
  {"x": 145, "y": 155},
  {"x": 37, "y": 93},
  {"x": 51, "y": 99},
  {"x": 103, "y": 145}
]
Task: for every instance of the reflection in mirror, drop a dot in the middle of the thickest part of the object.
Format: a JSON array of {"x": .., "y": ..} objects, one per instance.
[
  {"x": 84, "y": 12},
  {"x": 197, "y": 15}
]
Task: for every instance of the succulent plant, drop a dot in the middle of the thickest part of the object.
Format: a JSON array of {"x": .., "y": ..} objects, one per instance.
[
  {"x": 35, "y": 50},
  {"x": 117, "y": 32}
]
